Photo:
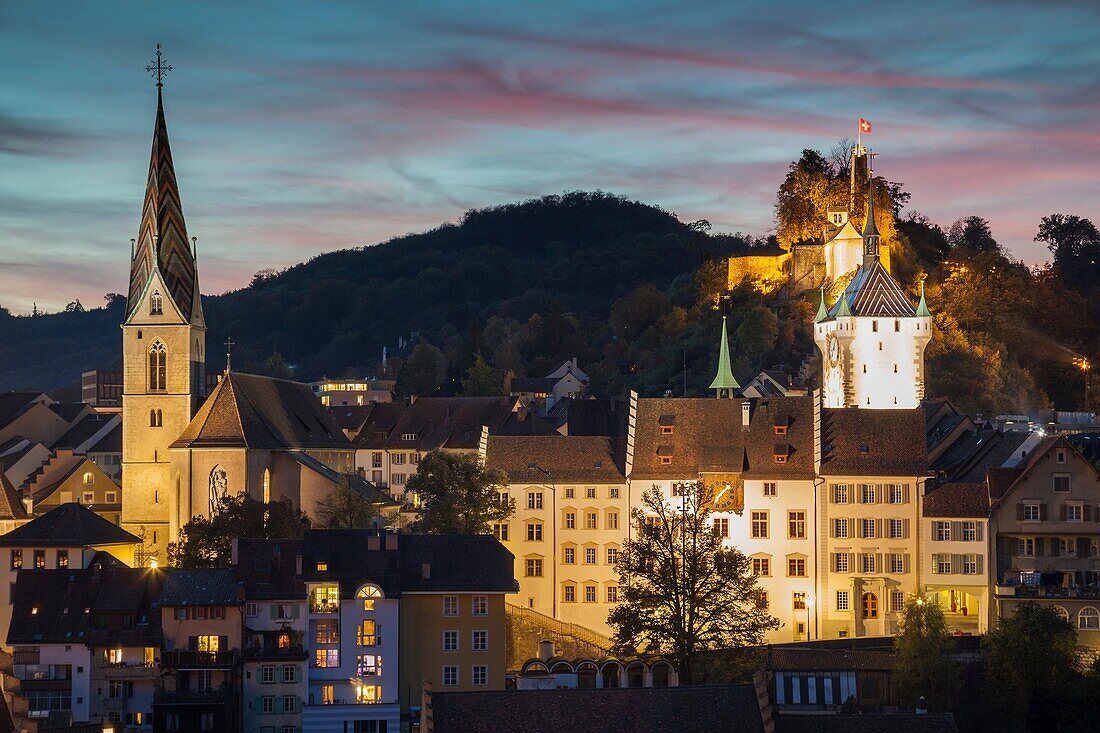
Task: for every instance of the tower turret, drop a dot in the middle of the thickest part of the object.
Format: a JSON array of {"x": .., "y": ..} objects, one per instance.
[{"x": 724, "y": 383}]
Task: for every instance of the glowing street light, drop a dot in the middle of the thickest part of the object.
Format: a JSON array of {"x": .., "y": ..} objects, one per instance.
[{"x": 1082, "y": 363}]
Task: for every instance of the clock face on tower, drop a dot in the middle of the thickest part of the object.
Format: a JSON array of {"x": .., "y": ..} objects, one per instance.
[{"x": 832, "y": 349}]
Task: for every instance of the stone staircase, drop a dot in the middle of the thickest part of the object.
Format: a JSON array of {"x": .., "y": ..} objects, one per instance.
[{"x": 527, "y": 627}]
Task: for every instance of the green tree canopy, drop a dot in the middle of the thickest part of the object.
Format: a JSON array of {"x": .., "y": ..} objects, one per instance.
[
  {"x": 482, "y": 380},
  {"x": 457, "y": 495},
  {"x": 208, "y": 541},
  {"x": 972, "y": 234},
  {"x": 1075, "y": 244},
  {"x": 682, "y": 591},
  {"x": 423, "y": 372},
  {"x": 923, "y": 648},
  {"x": 347, "y": 508}
]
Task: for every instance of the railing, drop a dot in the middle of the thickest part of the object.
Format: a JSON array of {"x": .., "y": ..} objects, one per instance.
[
  {"x": 186, "y": 658},
  {"x": 221, "y": 694},
  {"x": 135, "y": 671},
  {"x": 275, "y": 652},
  {"x": 1027, "y": 591},
  {"x": 323, "y": 607},
  {"x": 582, "y": 633}
]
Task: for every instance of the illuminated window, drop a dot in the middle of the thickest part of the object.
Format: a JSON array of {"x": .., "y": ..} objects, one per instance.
[
  {"x": 368, "y": 665},
  {"x": 799, "y": 601},
  {"x": 208, "y": 644},
  {"x": 369, "y": 594},
  {"x": 62, "y": 558},
  {"x": 39, "y": 559},
  {"x": 322, "y": 567},
  {"x": 870, "y": 605},
  {"x": 366, "y": 634},
  {"x": 326, "y": 658},
  {"x": 368, "y": 694},
  {"x": 267, "y": 485},
  {"x": 324, "y": 598},
  {"x": 326, "y": 631},
  {"x": 328, "y": 694},
  {"x": 158, "y": 367}
]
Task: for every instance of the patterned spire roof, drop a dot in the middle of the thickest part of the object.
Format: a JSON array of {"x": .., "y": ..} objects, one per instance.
[
  {"x": 922, "y": 306},
  {"x": 162, "y": 240},
  {"x": 822, "y": 311},
  {"x": 724, "y": 379},
  {"x": 873, "y": 292}
]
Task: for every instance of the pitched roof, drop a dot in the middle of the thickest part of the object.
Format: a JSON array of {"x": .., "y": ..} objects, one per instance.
[
  {"x": 865, "y": 723},
  {"x": 352, "y": 557},
  {"x": 350, "y": 417},
  {"x": 200, "y": 586},
  {"x": 48, "y": 606},
  {"x": 451, "y": 569},
  {"x": 13, "y": 404},
  {"x": 708, "y": 437},
  {"x": 873, "y": 292},
  {"x": 436, "y": 422},
  {"x": 268, "y": 568},
  {"x": 11, "y": 502},
  {"x": 252, "y": 411},
  {"x": 86, "y": 428},
  {"x": 723, "y": 378},
  {"x": 558, "y": 458},
  {"x": 857, "y": 441},
  {"x": 699, "y": 708},
  {"x": 594, "y": 416},
  {"x": 357, "y": 484},
  {"x": 69, "y": 525},
  {"x": 162, "y": 241},
  {"x": 533, "y": 384},
  {"x": 957, "y": 500}
]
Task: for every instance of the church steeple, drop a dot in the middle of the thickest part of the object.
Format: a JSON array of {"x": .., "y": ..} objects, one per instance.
[
  {"x": 162, "y": 244},
  {"x": 724, "y": 382},
  {"x": 870, "y": 231}
]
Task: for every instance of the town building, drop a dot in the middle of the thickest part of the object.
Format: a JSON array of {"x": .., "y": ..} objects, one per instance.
[
  {"x": 102, "y": 389},
  {"x": 352, "y": 392},
  {"x": 541, "y": 394},
  {"x": 67, "y": 477}
]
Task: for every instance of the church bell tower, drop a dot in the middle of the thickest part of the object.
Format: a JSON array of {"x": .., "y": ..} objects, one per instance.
[{"x": 163, "y": 346}]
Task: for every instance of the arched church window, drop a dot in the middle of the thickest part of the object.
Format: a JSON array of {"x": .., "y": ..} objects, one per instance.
[
  {"x": 267, "y": 485},
  {"x": 156, "y": 418},
  {"x": 219, "y": 488},
  {"x": 158, "y": 367},
  {"x": 156, "y": 304}
]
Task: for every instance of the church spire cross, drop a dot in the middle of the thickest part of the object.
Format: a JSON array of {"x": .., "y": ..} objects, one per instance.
[
  {"x": 229, "y": 343},
  {"x": 159, "y": 70}
]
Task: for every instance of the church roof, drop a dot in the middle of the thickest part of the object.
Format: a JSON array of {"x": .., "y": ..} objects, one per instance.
[
  {"x": 251, "y": 411},
  {"x": 724, "y": 379},
  {"x": 873, "y": 292},
  {"x": 162, "y": 238}
]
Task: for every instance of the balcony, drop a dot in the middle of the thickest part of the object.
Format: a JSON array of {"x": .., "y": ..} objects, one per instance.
[
  {"x": 317, "y": 606},
  {"x": 197, "y": 660},
  {"x": 126, "y": 671},
  {"x": 273, "y": 651},
  {"x": 218, "y": 696}
]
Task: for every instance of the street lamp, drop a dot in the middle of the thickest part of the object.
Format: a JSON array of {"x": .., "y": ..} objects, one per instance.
[{"x": 1082, "y": 363}]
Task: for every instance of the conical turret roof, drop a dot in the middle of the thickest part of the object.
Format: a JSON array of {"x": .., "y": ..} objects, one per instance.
[{"x": 724, "y": 379}]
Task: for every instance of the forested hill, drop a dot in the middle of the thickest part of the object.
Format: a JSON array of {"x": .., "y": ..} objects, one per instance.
[{"x": 576, "y": 253}]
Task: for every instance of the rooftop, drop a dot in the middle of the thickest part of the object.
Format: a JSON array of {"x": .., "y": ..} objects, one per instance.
[
  {"x": 857, "y": 441},
  {"x": 69, "y": 525},
  {"x": 556, "y": 458}
]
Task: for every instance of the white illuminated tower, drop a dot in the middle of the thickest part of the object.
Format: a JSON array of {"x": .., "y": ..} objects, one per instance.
[{"x": 872, "y": 341}]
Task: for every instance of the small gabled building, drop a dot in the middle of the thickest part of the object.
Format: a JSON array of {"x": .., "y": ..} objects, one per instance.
[
  {"x": 954, "y": 563},
  {"x": 66, "y": 477}
]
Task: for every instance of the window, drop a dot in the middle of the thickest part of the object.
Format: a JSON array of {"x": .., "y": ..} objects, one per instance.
[
  {"x": 897, "y": 563},
  {"x": 267, "y": 704},
  {"x": 399, "y": 479},
  {"x": 569, "y": 492},
  {"x": 667, "y": 429},
  {"x": 156, "y": 304},
  {"x": 612, "y": 594},
  {"x": 722, "y": 527},
  {"x": 759, "y": 525},
  {"x": 39, "y": 559},
  {"x": 590, "y": 492},
  {"x": 867, "y": 528},
  {"x": 769, "y": 488},
  {"x": 534, "y": 501},
  {"x": 62, "y": 558},
  {"x": 325, "y": 658},
  {"x": 450, "y": 641},
  {"x": 843, "y": 601},
  {"x": 613, "y": 493},
  {"x": 290, "y": 673},
  {"x": 1074, "y": 513},
  {"x": 1062, "y": 613},
  {"x": 366, "y": 634},
  {"x": 326, "y": 631},
  {"x": 324, "y": 599},
  {"x": 290, "y": 703},
  {"x": 612, "y": 520},
  {"x": 897, "y": 600},
  {"x": 328, "y": 694},
  {"x": 897, "y": 494},
  {"x": 664, "y": 460},
  {"x": 569, "y": 556},
  {"x": 868, "y": 563},
  {"x": 896, "y": 529},
  {"x": 867, "y": 493},
  {"x": 569, "y": 593},
  {"x": 970, "y": 531},
  {"x": 398, "y": 459},
  {"x": 590, "y": 520},
  {"x": 1025, "y": 547},
  {"x": 590, "y": 556},
  {"x": 534, "y": 532},
  {"x": 450, "y": 675},
  {"x": 1031, "y": 512},
  {"x": 533, "y": 568},
  {"x": 376, "y": 459},
  {"x": 799, "y": 603},
  {"x": 941, "y": 531},
  {"x": 796, "y": 567},
  {"x": 1060, "y": 455},
  {"x": 570, "y": 520},
  {"x": 970, "y": 565},
  {"x": 840, "y": 528},
  {"x": 480, "y": 641},
  {"x": 479, "y": 606},
  {"x": 840, "y": 494},
  {"x": 158, "y": 369},
  {"x": 1088, "y": 618},
  {"x": 368, "y": 694},
  {"x": 840, "y": 562},
  {"x": 941, "y": 563},
  {"x": 870, "y": 605},
  {"x": 796, "y": 525},
  {"x": 589, "y": 594},
  {"x": 480, "y": 675},
  {"x": 501, "y": 531},
  {"x": 267, "y": 675}
]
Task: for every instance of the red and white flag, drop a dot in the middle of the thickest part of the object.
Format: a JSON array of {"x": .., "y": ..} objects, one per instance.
[{"x": 864, "y": 127}]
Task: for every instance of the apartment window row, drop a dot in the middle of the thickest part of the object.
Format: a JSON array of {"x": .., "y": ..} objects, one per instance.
[
  {"x": 591, "y": 492},
  {"x": 946, "y": 564},
  {"x": 589, "y": 593},
  {"x": 272, "y": 705},
  {"x": 590, "y": 555},
  {"x": 61, "y": 559},
  {"x": 869, "y": 602},
  {"x": 589, "y": 519},
  {"x": 479, "y": 640},
  {"x": 892, "y": 563},
  {"x": 1055, "y": 547},
  {"x": 1088, "y": 618},
  {"x": 968, "y": 531},
  {"x": 796, "y": 566},
  {"x": 479, "y": 605},
  {"x": 268, "y": 674},
  {"x": 869, "y": 493},
  {"x": 479, "y": 675},
  {"x": 759, "y": 525},
  {"x": 199, "y": 613},
  {"x": 869, "y": 528}
]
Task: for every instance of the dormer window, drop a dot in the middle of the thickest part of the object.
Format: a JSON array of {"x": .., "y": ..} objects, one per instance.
[
  {"x": 667, "y": 429},
  {"x": 664, "y": 460},
  {"x": 781, "y": 452},
  {"x": 156, "y": 304},
  {"x": 408, "y": 436},
  {"x": 780, "y": 427}
]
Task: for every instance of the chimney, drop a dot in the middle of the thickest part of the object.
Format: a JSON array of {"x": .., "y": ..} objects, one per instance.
[
  {"x": 391, "y": 540},
  {"x": 426, "y": 570},
  {"x": 546, "y": 650},
  {"x": 746, "y": 414}
]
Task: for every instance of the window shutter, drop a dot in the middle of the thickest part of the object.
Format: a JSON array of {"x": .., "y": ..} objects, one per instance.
[
  {"x": 832, "y": 528},
  {"x": 905, "y": 561},
  {"x": 1064, "y": 511},
  {"x": 905, "y": 493},
  {"x": 852, "y": 562},
  {"x": 880, "y": 489},
  {"x": 1086, "y": 512},
  {"x": 878, "y": 562},
  {"x": 981, "y": 564},
  {"x": 223, "y": 643},
  {"x": 956, "y": 563},
  {"x": 272, "y": 611},
  {"x": 1038, "y": 546},
  {"x": 1019, "y": 512},
  {"x": 1043, "y": 512},
  {"x": 905, "y": 529},
  {"x": 193, "y": 643},
  {"x": 979, "y": 531}
]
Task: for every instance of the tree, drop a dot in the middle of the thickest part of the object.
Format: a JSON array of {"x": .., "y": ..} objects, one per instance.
[
  {"x": 923, "y": 649},
  {"x": 757, "y": 332},
  {"x": 423, "y": 372},
  {"x": 110, "y": 300},
  {"x": 482, "y": 380},
  {"x": 348, "y": 508},
  {"x": 458, "y": 495},
  {"x": 74, "y": 307},
  {"x": 973, "y": 235},
  {"x": 1075, "y": 244},
  {"x": 208, "y": 541},
  {"x": 681, "y": 590},
  {"x": 1030, "y": 669}
]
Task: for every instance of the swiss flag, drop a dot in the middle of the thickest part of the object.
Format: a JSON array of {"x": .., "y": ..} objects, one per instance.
[{"x": 864, "y": 126}]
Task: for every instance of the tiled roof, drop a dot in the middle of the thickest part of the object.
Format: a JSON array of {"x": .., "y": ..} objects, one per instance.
[
  {"x": 68, "y": 411},
  {"x": 109, "y": 443},
  {"x": 556, "y": 458},
  {"x": 594, "y": 416},
  {"x": 873, "y": 292},
  {"x": 13, "y": 404},
  {"x": 48, "y": 606},
  {"x": 358, "y": 484},
  {"x": 247, "y": 410},
  {"x": 268, "y": 568},
  {"x": 350, "y": 559},
  {"x": 864, "y": 723},
  {"x": 1000, "y": 480},
  {"x": 694, "y": 709},
  {"x": 350, "y": 417},
  {"x": 457, "y": 563},
  {"x": 200, "y": 586},
  {"x": 792, "y": 659},
  {"x": 857, "y": 441},
  {"x": 11, "y": 504},
  {"x": 708, "y": 437},
  {"x": 957, "y": 500},
  {"x": 436, "y": 422},
  {"x": 85, "y": 428},
  {"x": 533, "y": 384},
  {"x": 69, "y": 525}
]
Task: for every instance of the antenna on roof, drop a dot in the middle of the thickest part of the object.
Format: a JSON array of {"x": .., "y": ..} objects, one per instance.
[{"x": 228, "y": 354}]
